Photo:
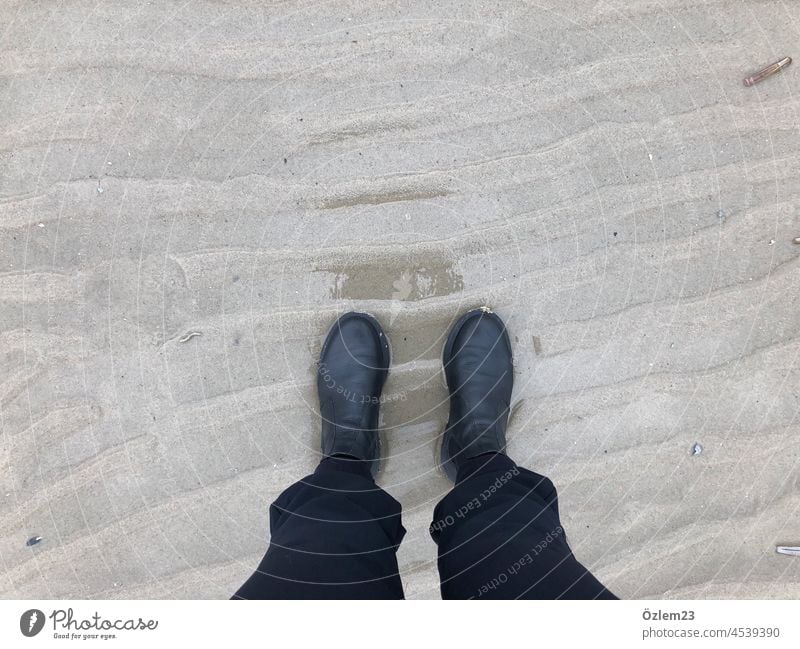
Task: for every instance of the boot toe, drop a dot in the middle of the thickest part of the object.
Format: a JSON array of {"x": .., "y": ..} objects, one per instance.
[
  {"x": 479, "y": 343},
  {"x": 357, "y": 344}
]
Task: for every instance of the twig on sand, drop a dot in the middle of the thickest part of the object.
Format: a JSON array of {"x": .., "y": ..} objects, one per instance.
[{"x": 768, "y": 71}]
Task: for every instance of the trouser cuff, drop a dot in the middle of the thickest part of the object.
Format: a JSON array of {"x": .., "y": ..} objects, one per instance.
[{"x": 485, "y": 463}]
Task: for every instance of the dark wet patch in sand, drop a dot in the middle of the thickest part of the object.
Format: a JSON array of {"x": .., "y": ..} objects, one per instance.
[{"x": 407, "y": 281}]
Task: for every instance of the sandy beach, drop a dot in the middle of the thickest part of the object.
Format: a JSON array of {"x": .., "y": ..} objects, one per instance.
[{"x": 190, "y": 193}]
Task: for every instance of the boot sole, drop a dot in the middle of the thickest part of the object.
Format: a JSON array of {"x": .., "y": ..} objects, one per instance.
[
  {"x": 387, "y": 358},
  {"x": 448, "y": 466}
]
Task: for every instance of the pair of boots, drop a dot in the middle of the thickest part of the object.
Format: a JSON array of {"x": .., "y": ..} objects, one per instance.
[
  {"x": 335, "y": 534},
  {"x": 353, "y": 366}
]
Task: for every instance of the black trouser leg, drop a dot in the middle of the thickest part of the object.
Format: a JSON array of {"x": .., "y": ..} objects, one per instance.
[
  {"x": 500, "y": 537},
  {"x": 334, "y": 535}
]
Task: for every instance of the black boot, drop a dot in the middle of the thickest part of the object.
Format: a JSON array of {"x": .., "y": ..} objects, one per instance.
[
  {"x": 480, "y": 375},
  {"x": 353, "y": 366}
]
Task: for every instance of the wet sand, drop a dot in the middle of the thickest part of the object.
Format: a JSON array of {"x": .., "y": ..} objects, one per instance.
[{"x": 594, "y": 171}]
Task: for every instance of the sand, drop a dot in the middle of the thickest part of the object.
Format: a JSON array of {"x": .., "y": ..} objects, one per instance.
[{"x": 594, "y": 171}]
